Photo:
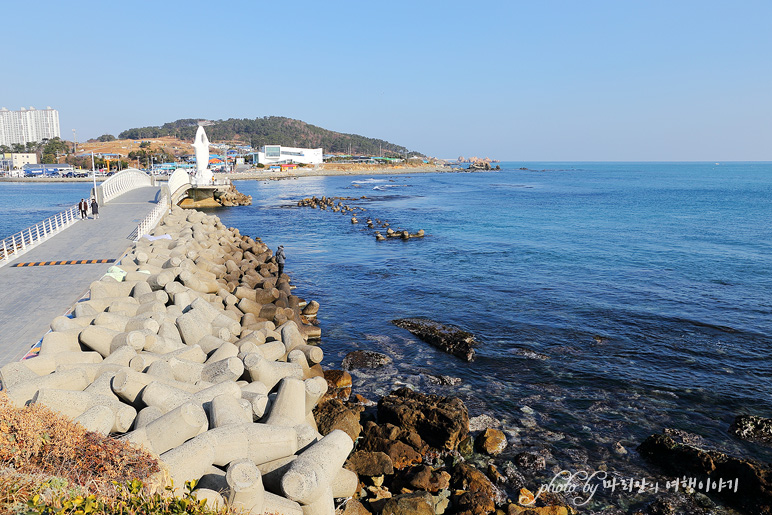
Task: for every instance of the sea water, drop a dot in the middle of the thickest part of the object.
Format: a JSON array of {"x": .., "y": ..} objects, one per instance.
[
  {"x": 610, "y": 300},
  {"x": 24, "y": 204}
]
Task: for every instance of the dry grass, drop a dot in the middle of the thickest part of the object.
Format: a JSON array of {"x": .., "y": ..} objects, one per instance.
[{"x": 35, "y": 441}]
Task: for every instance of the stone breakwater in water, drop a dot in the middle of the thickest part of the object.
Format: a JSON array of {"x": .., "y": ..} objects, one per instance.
[{"x": 200, "y": 355}]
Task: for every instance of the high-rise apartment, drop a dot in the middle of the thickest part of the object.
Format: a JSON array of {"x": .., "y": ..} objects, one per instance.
[{"x": 28, "y": 125}]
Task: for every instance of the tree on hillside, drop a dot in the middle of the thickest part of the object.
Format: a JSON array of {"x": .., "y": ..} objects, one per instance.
[
  {"x": 53, "y": 148},
  {"x": 106, "y": 137},
  {"x": 274, "y": 130}
]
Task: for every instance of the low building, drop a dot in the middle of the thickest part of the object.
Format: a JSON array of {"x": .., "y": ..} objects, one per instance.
[
  {"x": 276, "y": 154},
  {"x": 17, "y": 160}
]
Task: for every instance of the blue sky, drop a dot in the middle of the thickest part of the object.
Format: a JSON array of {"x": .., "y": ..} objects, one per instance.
[{"x": 549, "y": 80}]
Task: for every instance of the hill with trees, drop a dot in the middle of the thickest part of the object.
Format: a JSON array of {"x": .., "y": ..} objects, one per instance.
[{"x": 272, "y": 130}]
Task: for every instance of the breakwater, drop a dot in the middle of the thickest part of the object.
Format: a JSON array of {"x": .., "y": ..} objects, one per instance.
[{"x": 196, "y": 350}]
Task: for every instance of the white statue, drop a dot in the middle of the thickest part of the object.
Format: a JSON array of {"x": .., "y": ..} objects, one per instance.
[{"x": 201, "y": 145}]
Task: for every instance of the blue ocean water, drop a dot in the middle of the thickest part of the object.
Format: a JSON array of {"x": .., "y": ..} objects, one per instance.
[
  {"x": 610, "y": 300},
  {"x": 23, "y": 204}
]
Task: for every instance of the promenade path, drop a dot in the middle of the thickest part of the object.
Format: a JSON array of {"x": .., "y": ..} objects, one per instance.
[{"x": 33, "y": 296}]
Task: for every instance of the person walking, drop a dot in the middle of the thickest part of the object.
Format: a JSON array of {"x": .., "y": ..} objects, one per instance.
[
  {"x": 94, "y": 208},
  {"x": 83, "y": 207},
  {"x": 280, "y": 257}
]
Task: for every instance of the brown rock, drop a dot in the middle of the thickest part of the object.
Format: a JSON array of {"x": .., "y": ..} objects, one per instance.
[
  {"x": 338, "y": 385},
  {"x": 423, "y": 477},
  {"x": 337, "y": 378},
  {"x": 335, "y": 414},
  {"x": 370, "y": 463},
  {"x": 491, "y": 441},
  {"x": 473, "y": 503},
  {"x": 353, "y": 507},
  {"x": 467, "y": 478},
  {"x": 441, "y": 421},
  {"x": 402, "y": 455},
  {"x": 417, "y": 503}
]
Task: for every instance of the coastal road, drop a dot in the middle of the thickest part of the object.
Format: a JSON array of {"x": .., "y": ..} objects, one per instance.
[{"x": 33, "y": 296}]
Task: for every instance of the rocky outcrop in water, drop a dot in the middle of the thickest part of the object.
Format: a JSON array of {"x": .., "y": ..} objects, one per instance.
[
  {"x": 752, "y": 428},
  {"x": 232, "y": 197},
  {"x": 448, "y": 338},
  {"x": 745, "y": 484}
]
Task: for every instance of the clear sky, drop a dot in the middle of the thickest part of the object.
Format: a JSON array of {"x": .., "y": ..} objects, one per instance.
[{"x": 640, "y": 80}]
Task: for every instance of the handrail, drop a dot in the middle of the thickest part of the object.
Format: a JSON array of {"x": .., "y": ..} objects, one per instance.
[
  {"x": 152, "y": 219},
  {"x": 19, "y": 243},
  {"x": 122, "y": 182}
]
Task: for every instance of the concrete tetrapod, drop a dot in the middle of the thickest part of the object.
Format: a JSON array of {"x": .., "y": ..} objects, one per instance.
[
  {"x": 245, "y": 485},
  {"x": 310, "y": 476},
  {"x": 257, "y": 442},
  {"x": 172, "y": 429},
  {"x": 76, "y": 403}
]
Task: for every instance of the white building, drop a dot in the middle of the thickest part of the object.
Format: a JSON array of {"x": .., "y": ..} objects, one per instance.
[
  {"x": 276, "y": 154},
  {"x": 28, "y": 125}
]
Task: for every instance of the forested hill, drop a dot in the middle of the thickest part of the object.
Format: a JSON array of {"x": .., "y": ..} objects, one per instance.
[{"x": 272, "y": 130}]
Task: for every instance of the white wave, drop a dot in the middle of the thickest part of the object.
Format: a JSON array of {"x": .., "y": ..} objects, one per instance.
[{"x": 368, "y": 181}]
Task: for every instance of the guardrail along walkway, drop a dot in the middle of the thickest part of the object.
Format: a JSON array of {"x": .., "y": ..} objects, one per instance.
[{"x": 32, "y": 296}]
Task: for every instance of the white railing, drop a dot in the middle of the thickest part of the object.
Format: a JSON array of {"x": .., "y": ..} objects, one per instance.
[
  {"x": 19, "y": 243},
  {"x": 178, "y": 179},
  {"x": 122, "y": 182},
  {"x": 152, "y": 219}
]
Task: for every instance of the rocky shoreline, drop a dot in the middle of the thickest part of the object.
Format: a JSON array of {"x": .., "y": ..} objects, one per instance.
[{"x": 195, "y": 350}]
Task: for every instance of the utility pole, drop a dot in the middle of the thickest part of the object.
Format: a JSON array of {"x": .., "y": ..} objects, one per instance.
[
  {"x": 75, "y": 142},
  {"x": 93, "y": 172}
]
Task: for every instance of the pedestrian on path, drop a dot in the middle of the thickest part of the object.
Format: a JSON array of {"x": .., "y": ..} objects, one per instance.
[
  {"x": 83, "y": 208},
  {"x": 280, "y": 257},
  {"x": 94, "y": 208}
]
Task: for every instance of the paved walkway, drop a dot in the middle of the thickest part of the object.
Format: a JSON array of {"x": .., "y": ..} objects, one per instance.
[{"x": 33, "y": 296}]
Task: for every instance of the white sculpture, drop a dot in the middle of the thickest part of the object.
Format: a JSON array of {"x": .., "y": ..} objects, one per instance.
[{"x": 201, "y": 145}]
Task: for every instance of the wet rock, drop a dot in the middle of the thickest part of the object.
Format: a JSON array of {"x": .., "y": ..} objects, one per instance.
[
  {"x": 530, "y": 461},
  {"x": 672, "y": 504},
  {"x": 482, "y": 422},
  {"x": 441, "y": 421},
  {"x": 469, "y": 479},
  {"x": 466, "y": 445},
  {"x": 752, "y": 428},
  {"x": 335, "y": 414},
  {"x": 684, "y": 437},
  {"x": 514, "y": 479},
  {"x": 754, "y": 492},
  {"x": 416, "y": 503},
  {"x": 491, "y": 442},
  {"x": 447, "y": 338},
  {"x": 370, "y": 463},
  {"x": 338, "y": 385},
  {"x": 364, "y": 359},
  {"x": 442, "y": 380}
]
